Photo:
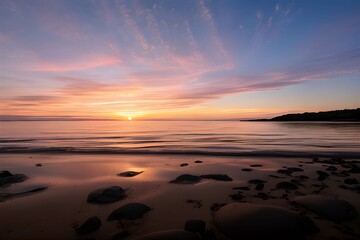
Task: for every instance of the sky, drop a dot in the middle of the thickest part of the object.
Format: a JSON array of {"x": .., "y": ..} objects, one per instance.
[{"x": 178, "y": 59}]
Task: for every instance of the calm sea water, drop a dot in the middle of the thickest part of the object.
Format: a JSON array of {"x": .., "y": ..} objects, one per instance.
[{"x": 183, "y": 137}]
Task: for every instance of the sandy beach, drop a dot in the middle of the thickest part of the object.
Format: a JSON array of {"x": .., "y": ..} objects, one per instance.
[{"x": 57, "y": 211}]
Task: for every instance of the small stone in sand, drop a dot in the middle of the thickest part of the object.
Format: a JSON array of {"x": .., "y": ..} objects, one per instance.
[
  {"x": 322, "y": 175},
  {"x": 198, "y": 161},
  {"x": 241, "y": 188},
  {"x": 256, "y": 165},
  {"x": 195, "y": 226},
  {"x": 336, "y": 210},
  {"x": 284, "y": 171},
  {"x": 107, "y": 195},
  {"x": 351, "y": 181},
  {"x": 286, "y": 186},
  {"x": 38, "y": 165},
  {"x": 256, "y": 181},
  {"x": 247, "y": 169},
  {"x": 129, "y": 174},
  {"x": 218, "y": 177},
  {"x": 251, "y": 221},
  {"x": 184, "y": 164},
  {"x": 169, "y": 235},
  {"x": 130, "y": 211},
  {"x": 186, "y": 179},
  {"x": 259, "y": 186},
  {"x": 89, "y": 226},
  {"x": 237, "y": 197}
]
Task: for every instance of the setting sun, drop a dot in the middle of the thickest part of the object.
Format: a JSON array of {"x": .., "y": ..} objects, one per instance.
[{"x": 129, "y": 118}]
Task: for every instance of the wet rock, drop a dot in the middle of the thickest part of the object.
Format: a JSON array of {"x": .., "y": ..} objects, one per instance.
[
  {"x": 336, "y": 210},
  {"x": 7, "y": 178},
  {"x": 302, "y": 177},
  {"x": 107, "y": 195},
  {"x": 237, "y": 197},
  {"x": 195, "y": 226},
  {"x": 284, "y": 171},
  {"x": 198, "y": 161},
  {"x": 262, "y": 195},
  {"x": 129, "y": 174},
  {"x": 169, "y": 235},
  {"x": 241, "y": 188},
  {"x": 351, "y": 181},
  {"x": 274, "y": 176},
  {"x": 23, "y": 192},
  {"x": 286, "y": 186},
  {"x": 331, "y": 168},
  {"x": 218, "y": 177},
  {"x": 322, "y": 175},
  {"x": 259, "y": 186},
  {"x": 38, "y": 165},
  {"x": 184, "y": 164},
  {"x": 354, "y": 169},
  {"x": 256, "y": 165},
  {"x": 247, "y": 169},
  {"x": 89, "y": 226},
  {"x": 251, "y": 221},
  {"x": 295, "y": 169},
  {"x": 130, "y": 211},
  {"x": 186, "y": 179},
  {"x": 256, "y": 181},
  {"x": 121, "y": 235}
]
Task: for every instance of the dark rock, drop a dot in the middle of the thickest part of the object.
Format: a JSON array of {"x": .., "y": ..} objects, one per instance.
[
  {"x": 7, "y": 178},
  {"x": 256, "y": 165},
  {"x": 262, "y": 195},
  {"x": 284, "y": 171},
  {"x": 247, "y": 169},
  {"x": 256, "y": 181},
  {"x": 354, "y": 169},
  {"x": 130, "y": 211},
  {"x": 198, "y": 161},
  {"x": 274, "y": 176},
  {"x": 38, "y": 165},
  {"x": 129, "y": 174},
  {"x": 346, "y": 165},
  {"x": 259, "y": 186},
  {"x": 302, "y": 177},
  {"x": 107, "y": 195},
  {"x": 241, "y": 188},
  {"x": 351, "y": 181},
  {"x": 184, "y": 164},
  {"x": 121, "y": 235},
  {"x": 295, "y": 169},
  {"x": 322, "y": 175},
  {"x": 237, "y": 197},
  {"x": 218, "y": 177},
  {"x": 31, "y": 190},
  {"x": 186, "y": 179},
  {"x": 286, "y": 186},
  {"x": 91, "y": 225},
  {"x": 331, "y": 168},
  {"x": 195, "y": 226}
]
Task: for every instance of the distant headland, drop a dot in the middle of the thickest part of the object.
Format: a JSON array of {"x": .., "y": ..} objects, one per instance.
[{"x": 347, "y": 115}]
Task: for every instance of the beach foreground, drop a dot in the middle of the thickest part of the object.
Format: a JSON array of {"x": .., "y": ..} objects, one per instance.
[{"x": 52, "y": 202}]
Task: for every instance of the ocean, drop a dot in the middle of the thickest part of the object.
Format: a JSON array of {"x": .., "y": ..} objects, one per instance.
[{"x": 233, "y": 138}]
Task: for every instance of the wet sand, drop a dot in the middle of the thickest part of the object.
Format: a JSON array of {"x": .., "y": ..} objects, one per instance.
[{"x": 57, "y": 211}]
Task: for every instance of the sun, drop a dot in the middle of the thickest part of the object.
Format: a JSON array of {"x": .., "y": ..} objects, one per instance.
[{"x": 129, "y": 118}]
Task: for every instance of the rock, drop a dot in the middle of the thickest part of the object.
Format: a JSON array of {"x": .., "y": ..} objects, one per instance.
[
  {"x": 259, "y": 186},
  {"x": 195, "y": 226},
  {"x": 26, "y": 191},
  {"x": 7, "y": 178},
  {"x": 169, "y": 235},
  {"x": 274, "y": 176},
  {"x": 354, "y": 169},
  {"x": 336, "y": 210},
  {"x": 129, "y": 174},
  {"x": 322, "y": 175},
  {"x": 241, "y": 188},
  {"x": 284, "y": 171},
  {"x": 184, "y": 164},
  {"x": 351, "y": 181},
  {"x": 286, "y": 186},
  {"x": 295, "y": 169},
  {"x": 121, "y": 235},
  {"x": 237, "y": 197},
  {"x": 186, "y": 179},
  {"x": 302, "y": 177},
  {"x": 256, "y": 165},
  {"x": 247, "y": 169},
  {"x": 130, "y": 211},
  {"x": 91, "y": 225},
  {"x": 251, "y": 221},
  {"x": 256, "y": 181},
  {"x": 331, "y": 168},
  {"x": 107, "y": 195},
  {"x": 262, "y": 195},
  {"x": 38, "y": 165},
  {"x": 198, "y": 161},
  {"x": 218, "y": 177}
]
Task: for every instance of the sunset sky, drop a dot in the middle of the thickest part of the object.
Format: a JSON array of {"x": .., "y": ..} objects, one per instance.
[{"x": 178, "y": 59}]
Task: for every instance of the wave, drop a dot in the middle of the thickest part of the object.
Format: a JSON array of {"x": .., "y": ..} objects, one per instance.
[{"x": 217, "y": 152}]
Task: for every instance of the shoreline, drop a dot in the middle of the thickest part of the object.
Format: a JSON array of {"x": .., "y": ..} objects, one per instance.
[{"x": 55, "y": 212}]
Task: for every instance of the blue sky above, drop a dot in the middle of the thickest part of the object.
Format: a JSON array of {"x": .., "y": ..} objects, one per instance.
[{"x": 178, "y": 59}]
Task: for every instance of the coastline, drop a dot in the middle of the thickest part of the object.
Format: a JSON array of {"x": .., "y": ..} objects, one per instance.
[{"x": 55, "y": 212}]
